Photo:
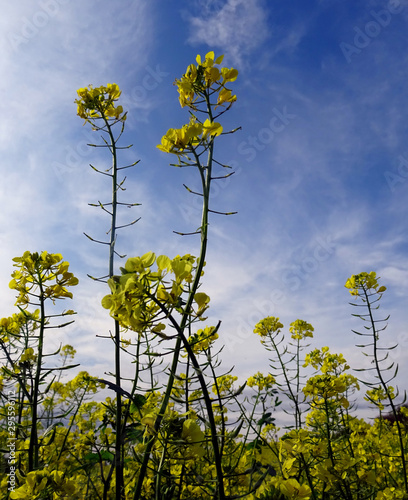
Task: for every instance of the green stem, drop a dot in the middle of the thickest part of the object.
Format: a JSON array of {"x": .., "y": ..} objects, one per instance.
[
  {"x": 71, "y": 423},
  {"x": 119, "y": 451},
  {"x": 33, "y": 452},
  {"x": 205, "y": 174},
  {"x": 384, "y": 385},
  {"x": 292, "y": 396}
]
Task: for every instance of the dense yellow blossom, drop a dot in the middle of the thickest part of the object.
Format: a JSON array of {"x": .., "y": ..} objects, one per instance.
[
  {"x": 300, "y": 329},
  {"x": 364, "y": 281},
  {"x": 261, "y": 381},
  {"x": 36, "y": 273},
  {"x": 268, "y": 326},
  {"x": 99, "y": 102}
]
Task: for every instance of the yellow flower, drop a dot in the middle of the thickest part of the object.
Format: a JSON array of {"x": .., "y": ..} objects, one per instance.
[
  {"x": 185, "y": 139},
  {"x": 391, "y": 494},
  {"x": 364, "y": 281},
  {"x": 211, "y": 129},
  {"x": 229, "y": 75},
  {"x": 225, "y": 96},
  {"x": 259, "y": 380},
  {"x": 197, "y": 81},
  {"x": 99, "y": 102},
  {"x": 267, "y": 326},
  {"x": 292, "y": 489},
  {"x": 191, "y": 432},
  {"x": 224, "y": 384},
  {"x": 209, "y": 60},
  {"x": 300, "y": 329},
  {"x": 28, "y": 355},
  {"x": 178, "y": 140},
  {"x": 33, "y": 273},
  {"x": 202, "y": 340},
  {"x": 193, "y": 435}
]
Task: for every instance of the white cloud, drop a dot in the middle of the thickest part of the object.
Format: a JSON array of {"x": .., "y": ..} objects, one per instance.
[{"x": 237, "y": 27}]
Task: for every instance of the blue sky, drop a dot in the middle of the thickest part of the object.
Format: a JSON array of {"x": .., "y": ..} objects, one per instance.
[{"x": 321, "y": 161}]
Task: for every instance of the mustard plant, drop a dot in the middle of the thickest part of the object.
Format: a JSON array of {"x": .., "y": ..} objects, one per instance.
[
  {"x": 98, "y": 106},
  {"x": 365, "y": 288},
  {"x": 40, "y": 278},
  {"x": 269, "y": 329}
]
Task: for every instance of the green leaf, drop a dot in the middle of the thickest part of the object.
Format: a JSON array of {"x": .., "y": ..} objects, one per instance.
[
  {"x": 266, "y": 419},
  {"x": 134, "y": 432},
  {"x": 253, "y": 444},
  {"x": 96, "y": 458},
  {"x": 138, "y": 401}
]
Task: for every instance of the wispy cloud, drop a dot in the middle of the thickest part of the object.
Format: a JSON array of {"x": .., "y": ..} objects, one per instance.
[{"x": 237, "y": 27}]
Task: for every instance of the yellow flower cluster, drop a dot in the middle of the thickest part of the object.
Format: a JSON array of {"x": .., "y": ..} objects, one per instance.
[
  {"x": 300, "y": 329},
  {"x": 325, "y": 361},
  {"x": 194, "y": 436},
  {"x": 185, "y": 139},
  {"x": 202, "y": 340},
  {"x": 261, "y": 381},
  {"x": 268, "y": 326},
  {"x": 99, "y": 102},
  {"x": 198, "y": 86},
  {"x": 199, "y": 78},
  {"x": 44, "y": 482},
  {"x": 11, "y": 326},
  {"x": 340, "y": 451},
  {"x": 35, "y": 271},
  {"x": 28, "y": 356},
  {"x": 377, "y": 394},
  {"x": 334, "y": 382},
  {"x": 224, "y": 384},
  {"x": 391, "y": 493},
  {"x": 292, "y": 489},
  {"x": 365, "y": 282},
  {"x": 142, "y": 298},
  {"x": 320, "y": 388}
]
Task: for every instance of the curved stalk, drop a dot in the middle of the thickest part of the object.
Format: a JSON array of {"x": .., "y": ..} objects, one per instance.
[
  {"x": 385, "y": 387},
  {"x": 205, "y": 173}
]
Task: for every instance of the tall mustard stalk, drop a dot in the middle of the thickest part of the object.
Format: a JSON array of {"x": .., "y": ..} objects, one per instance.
[
  {"x": 140, "y": 298},
  {"x": 98, "y": 106},
  {"x": 197, "y": 87},
  {"x": 366, "y": 287},
  {"x": 38, "y": 278}
]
